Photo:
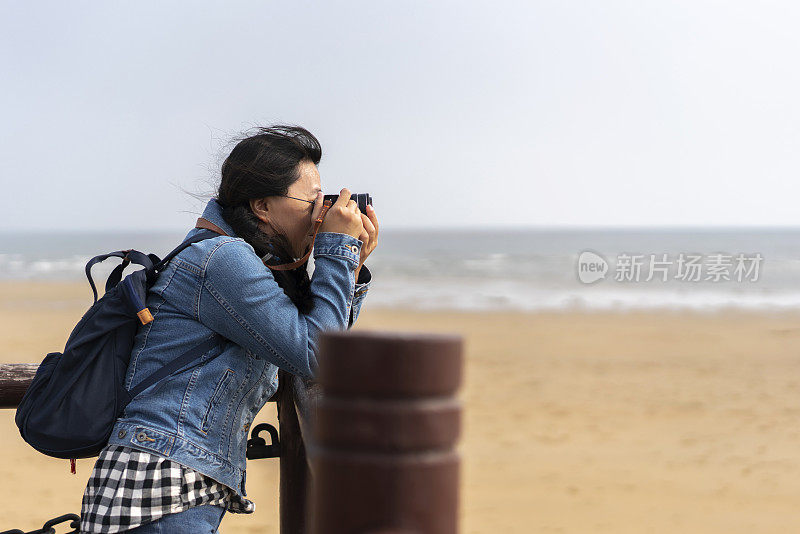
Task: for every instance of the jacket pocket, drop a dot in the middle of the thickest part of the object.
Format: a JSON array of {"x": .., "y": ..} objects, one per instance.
[{"x": 219, "y": 391}]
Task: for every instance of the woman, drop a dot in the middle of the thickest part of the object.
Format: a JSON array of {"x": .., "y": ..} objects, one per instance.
[{"x": 176, "y": 458}]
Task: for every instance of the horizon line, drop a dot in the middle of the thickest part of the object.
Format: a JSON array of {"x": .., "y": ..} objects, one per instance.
[{"x": 485, "y": 228}]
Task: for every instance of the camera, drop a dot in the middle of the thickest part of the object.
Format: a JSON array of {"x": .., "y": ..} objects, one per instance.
[{"x": 362, "y": 199}]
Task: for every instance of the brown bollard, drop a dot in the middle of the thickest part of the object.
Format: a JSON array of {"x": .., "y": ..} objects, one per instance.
[{"x": 385, "y": 433}]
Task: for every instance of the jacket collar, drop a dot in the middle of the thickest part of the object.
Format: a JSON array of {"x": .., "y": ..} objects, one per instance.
[{"x": 213, "y": 213}]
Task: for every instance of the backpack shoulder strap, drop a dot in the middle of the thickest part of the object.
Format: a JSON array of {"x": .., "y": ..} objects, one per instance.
[
  {"x": 200, "y": 236},
  {"x": 196, "y": 351},
  {"x": 185, "y": 358}
]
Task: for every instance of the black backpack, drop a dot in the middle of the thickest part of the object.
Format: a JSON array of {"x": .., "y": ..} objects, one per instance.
[{"x": 70, "y": 407}]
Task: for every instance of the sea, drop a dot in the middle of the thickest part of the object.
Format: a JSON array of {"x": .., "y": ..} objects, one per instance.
[{"x": 537, "y": 269}]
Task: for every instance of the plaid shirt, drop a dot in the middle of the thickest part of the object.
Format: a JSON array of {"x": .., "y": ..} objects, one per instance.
[{"x": 128, "y": 488}]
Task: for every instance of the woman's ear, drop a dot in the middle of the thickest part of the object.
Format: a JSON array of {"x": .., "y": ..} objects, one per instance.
[{"x": 259, "y": 208}]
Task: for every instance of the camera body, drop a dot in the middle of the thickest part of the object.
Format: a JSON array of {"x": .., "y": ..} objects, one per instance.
[{"x": 362, "y": 199}]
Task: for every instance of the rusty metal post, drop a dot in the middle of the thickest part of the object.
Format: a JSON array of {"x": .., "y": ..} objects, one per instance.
[
  {"x": 384, "y": 434},
  {"x": 293, "y": 500}
]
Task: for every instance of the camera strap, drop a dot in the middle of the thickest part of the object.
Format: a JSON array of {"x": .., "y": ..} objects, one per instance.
[{"x": 208, "y": 225}]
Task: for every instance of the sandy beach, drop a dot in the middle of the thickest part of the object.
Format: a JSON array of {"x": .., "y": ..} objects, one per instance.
[{"x": 573, "y": 422}]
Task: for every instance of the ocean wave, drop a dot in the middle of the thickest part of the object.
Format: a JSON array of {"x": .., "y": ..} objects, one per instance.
[{"x": 483, "y": 271}]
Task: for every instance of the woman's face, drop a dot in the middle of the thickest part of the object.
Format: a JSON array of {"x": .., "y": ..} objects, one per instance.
[{"x": 292, "y": 217}]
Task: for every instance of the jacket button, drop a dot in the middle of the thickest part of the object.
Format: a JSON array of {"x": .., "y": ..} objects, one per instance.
[
  {"x": 141, "y": 436},
  {"x": 354, "y": 248},
  {"x": 121, "y": 434}
]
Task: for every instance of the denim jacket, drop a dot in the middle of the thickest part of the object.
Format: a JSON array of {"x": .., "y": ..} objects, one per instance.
[{"x": 200, "y": 415}]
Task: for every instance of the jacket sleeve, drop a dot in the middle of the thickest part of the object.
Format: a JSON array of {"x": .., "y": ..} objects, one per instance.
[
  {"x": 362, "y": 286},
  {"x": 240, "y": 299}
]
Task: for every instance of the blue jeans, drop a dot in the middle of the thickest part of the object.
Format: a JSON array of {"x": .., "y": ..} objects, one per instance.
[{"x": 203, "y": 519}]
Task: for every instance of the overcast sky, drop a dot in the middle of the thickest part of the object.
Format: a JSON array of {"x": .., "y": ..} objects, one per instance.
[{"x": 449, "y": 113}]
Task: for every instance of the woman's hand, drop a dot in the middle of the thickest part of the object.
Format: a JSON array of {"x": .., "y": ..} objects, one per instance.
[
  {"x": 343, "y": 217},
  {"x": 369, "y": 237}
]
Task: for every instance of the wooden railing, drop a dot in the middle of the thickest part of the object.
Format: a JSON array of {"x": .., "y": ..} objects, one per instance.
[{"x": 14, "y": 381}]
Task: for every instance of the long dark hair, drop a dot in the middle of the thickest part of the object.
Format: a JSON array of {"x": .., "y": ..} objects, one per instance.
[{"x": 261, "y": 165}]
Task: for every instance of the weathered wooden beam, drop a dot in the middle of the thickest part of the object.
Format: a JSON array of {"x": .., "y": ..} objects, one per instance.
[
  {"x": 383, "y": 439},
  {"x": 15, "y": 379}
]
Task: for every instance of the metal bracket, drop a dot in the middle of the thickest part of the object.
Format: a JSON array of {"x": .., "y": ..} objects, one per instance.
[{"x": 257, "y": 446}]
